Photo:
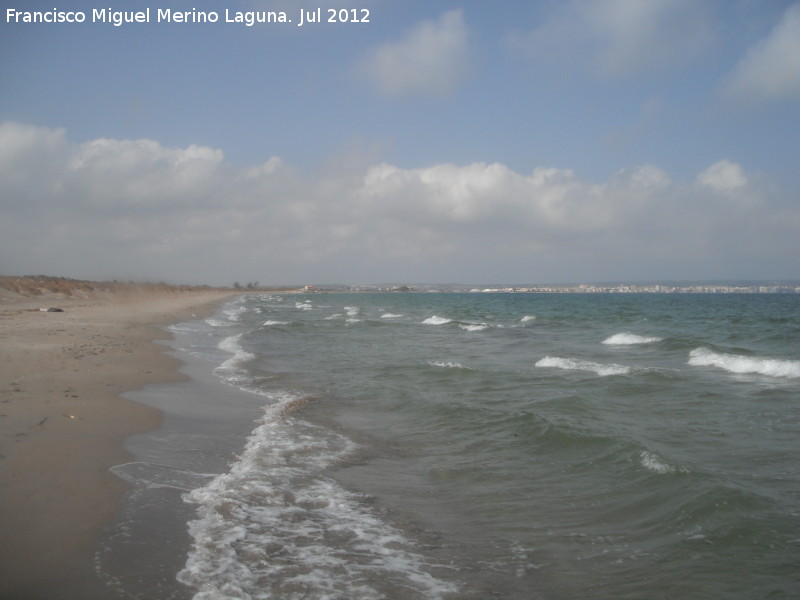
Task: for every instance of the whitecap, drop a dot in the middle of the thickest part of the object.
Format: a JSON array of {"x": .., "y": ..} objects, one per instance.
[
  {"x": 527, "y": 318},
  {"x": 576, "y": 364},
  {"x": 772, "y": 367},
  {"x": 434, "y": 320},
  {"x": 446, "y": 364},
  {"x": 389, "y": 315},
  {"x": 231, "y": 345},
  {"x": 474, "y": 326},
  {"x": 234, "y": 313},
  {"x": 271, "y": 323},
  {"x": 652, "y": 462},
  {"x": 629, "y": 339}
]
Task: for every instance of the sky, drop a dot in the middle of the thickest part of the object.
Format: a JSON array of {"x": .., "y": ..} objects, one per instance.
[{"x": 445, "y": 141}]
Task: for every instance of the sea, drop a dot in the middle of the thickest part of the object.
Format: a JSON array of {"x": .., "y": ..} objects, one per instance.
[{"x": 367, "y": 446}]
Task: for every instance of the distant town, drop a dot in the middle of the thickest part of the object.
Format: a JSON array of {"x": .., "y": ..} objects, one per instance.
[{"x": 580, "y": 288}]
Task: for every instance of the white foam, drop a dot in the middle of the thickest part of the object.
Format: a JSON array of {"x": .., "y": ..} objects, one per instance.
[
  {"x": 303, "y": 305},
  {"x": 389, "y": 315},
  {"x": 652, "y": 462},
  {"x": 271, "y": 323},
  {"x": 434, "y": 320},
  {"x": 231, "y": 345},
  {"x": 234, "y": 312},
  {"x": 629, "y": 339},
  {"x": 527, "y": 318},
  {"x": 474, "y": 326},
  {"x": 274, "y": 526},
  {"x": 352, "y": 311},
  {"x": 772, "y": 367},
  {"x": 447, "y": 364},
  {"x": 576, "y": 364},
  {"x": 215, "y": 322},
  {"x": 152, "y": 475},
  {"x": 186, "y": 327}
]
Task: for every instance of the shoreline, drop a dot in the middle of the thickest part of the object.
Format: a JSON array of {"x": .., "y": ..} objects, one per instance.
[{"x": 63, "y": 423}]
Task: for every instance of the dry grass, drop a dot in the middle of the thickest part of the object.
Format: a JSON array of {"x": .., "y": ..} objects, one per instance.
[{"x": 36, "y": 285}]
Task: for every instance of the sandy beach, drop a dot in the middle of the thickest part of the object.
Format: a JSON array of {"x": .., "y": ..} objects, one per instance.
[{"x": 63, "y": 424}]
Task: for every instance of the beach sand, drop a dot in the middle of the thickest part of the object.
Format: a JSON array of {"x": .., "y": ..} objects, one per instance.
[{"x": 63, "y": 424}]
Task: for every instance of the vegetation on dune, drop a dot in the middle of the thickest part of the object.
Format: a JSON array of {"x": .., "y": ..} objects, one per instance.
[{"x": 36, "y": 285}]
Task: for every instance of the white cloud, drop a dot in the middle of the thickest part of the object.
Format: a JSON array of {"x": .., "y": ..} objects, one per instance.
[
  {"x": 134, "y": 208},
  {"x": 723, "y": 176},
  {"x": 620, "y": 38},
  {"x": 143, "y": 173},
  {"x": 431, "y": 60},
  {"x": 770, "y": 70}
]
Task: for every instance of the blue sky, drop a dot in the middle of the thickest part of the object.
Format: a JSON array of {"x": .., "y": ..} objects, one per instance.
[{"x": 444, "y": 141}]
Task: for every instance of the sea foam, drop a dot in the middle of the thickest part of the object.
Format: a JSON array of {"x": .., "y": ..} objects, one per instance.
[
  {"x": 576, "y": 364},
  {"x": 474, "y": 326},
  {"x": 231, "y": 345},
  {"x": 434, "y": 320},
  {"x": 772, "y": 367},
  {"x": 446, "y": 364},
  {"x": 274, "y": 526},
  {"x": 652, "y": 462},
  {"x": 629, "y": 339}
]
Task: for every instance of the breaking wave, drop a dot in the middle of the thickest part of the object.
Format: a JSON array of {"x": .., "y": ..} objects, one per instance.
[
  {"x": 576, "y": 364},
  {"x": 434, "y": 320},
  {"x": 629, "y": 339},
  {"x": 274, "y": 526},
  {"x": 231, "y": 345},
  {"x": 474, "y": 326},
  {"x": 772, "y": 367},
  {"x": 447, "y": 364}
]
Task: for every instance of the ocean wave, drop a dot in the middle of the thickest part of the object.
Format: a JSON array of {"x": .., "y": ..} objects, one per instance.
[
  {"x": 303, "y": 305},
  {"x": 473, "y": 326},
  {"x": 274, "y": 526},
  {"x": 215, "y": 322},
  {"x": 272, "y": 323},
  {"x": 629, "y": 339},
  {"x": 652, "y": 462},
  {"x": 577, "y": 364},
  {"x": 527, "y": 318},
  {"x": 234, "y": 312},
  {"x": 772, "y": 367},
  {"x": 232, "y": 346},
  {"x": 186, "y": 327},
  {"x": 389, "y": 315},
  {"x": 446, "y": 364},
  {"x": 434, "y": 320},
  {"x": 152, "y": 475}
]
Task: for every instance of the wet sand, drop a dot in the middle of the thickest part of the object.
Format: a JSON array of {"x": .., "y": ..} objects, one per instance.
[{"x": 63, "y": 424}]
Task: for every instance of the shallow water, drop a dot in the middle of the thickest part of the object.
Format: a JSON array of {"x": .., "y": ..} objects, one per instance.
[{"x": 482, "y": 445}]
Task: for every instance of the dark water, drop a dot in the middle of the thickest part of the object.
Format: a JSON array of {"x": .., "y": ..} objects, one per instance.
[{"x": 487, "y": 446}]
